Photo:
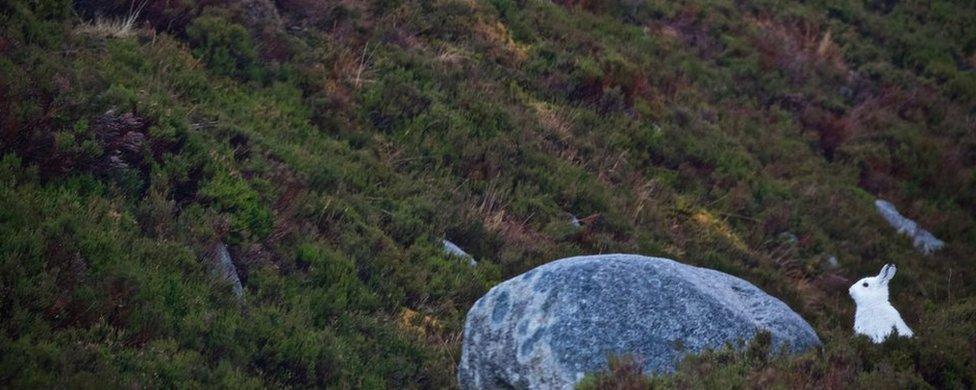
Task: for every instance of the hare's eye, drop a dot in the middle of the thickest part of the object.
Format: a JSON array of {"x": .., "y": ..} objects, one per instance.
[{"x": 865, "y": 284}]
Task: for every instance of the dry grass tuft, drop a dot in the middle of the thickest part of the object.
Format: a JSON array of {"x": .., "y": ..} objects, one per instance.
[{"x": 111, "y": 27}]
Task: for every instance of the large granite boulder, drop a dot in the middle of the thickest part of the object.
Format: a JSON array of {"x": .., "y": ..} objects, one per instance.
[{"x": 548, "y": 327}]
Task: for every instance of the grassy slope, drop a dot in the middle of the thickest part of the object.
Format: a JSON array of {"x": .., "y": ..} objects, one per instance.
[{"x": 332, "y": 148}]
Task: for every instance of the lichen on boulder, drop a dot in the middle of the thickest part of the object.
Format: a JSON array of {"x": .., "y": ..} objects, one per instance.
[{"x": 550, "y": 326}]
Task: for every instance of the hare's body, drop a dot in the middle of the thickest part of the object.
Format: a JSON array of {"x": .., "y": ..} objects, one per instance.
[
  {"x": 878, "y": 321},
  {"x": 875, "y": 317}
]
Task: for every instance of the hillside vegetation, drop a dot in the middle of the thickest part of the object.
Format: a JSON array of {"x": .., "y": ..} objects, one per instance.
[{"x": 333, "y": 145}]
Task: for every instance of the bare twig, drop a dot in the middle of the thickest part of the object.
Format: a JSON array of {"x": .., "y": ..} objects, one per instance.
[{"x": 363, "y": 58}]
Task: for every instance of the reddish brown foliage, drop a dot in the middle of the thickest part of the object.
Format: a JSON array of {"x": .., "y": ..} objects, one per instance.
[
  {"x": 689, "y": 27},
  {"x": 625, "y": 373},
  {"x": 588, "y": 5},
  {"x": 831, "y": 128},
  {"x": 172, "y": 15},
  {"x": 800, "y": 49}
]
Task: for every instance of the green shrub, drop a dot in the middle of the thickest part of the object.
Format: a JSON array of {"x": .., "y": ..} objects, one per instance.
[
  {"x": 249, "y": 215},
  {"x": 334, "y": 284},
  {"x": 225, "y": 46}
]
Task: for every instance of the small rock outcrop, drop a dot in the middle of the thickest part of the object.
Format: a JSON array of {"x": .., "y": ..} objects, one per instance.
[
  {"x": 832, "y": 261},
  {"x": 550, "y": 326},
  {"x": 452, "y": 249},
  {"x": 222, "y": 268},
  {"x": 923, "y": 241},
  {"x": 575, "y": 222}
]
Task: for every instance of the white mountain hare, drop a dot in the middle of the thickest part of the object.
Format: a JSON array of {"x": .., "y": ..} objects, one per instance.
[{"x": 875, "y": 317}]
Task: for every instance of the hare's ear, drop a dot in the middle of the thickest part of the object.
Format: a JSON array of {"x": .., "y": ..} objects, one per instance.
[{"x": 887, "y": 272}]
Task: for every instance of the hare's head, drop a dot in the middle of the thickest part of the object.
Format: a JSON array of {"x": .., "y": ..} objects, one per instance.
[{"x": 874, "y": 288}]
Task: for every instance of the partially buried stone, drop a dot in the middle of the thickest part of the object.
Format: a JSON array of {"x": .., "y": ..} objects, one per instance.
[
  {"x": 452, "y": 249},
  {"x": 922, "y": 239},
  {"x": 223, "y": 269}
]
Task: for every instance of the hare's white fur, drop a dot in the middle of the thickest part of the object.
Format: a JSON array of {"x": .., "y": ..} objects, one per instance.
[{"x": 875, "y": 317}]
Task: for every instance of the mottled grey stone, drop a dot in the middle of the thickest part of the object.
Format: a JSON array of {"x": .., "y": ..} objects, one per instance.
[
  {"x": 832, "y": 261},
  {"x": 923, "y": 241},
  {"x": 223, "y": 269},
  {"x": 574, "y": 221},
  {"x": 452, "y": 249},
  {"x": 550, "y": 326},
  {"x": 788, "y": 238}
]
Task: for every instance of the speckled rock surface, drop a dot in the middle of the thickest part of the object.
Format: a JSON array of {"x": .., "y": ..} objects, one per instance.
[
  {"x": 452, "y": 249},
  {"x": 922, "y": 239},
  {"x": 223, "y": 269},
  {"x": 548, "y": 327}
]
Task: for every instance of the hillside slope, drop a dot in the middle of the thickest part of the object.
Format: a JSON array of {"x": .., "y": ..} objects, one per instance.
[{"x": 333, "y": 145}]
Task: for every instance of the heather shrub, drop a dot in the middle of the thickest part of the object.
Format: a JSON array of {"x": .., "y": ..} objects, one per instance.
[
  {"x": 332, "y": 146},
  {"x": 225, "y": 46}
]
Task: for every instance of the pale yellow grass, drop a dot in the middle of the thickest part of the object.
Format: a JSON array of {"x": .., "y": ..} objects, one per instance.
[{"x": 112, "y": 27}]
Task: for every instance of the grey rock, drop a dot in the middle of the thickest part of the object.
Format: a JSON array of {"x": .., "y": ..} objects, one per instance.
[
  {"x": 547, "y": 328},
  {"x": 788, "y": 238},
  {"x": 452, "y": 249},
  {"x": 222, "y": 268},
  {"x": 922, "y": 239},
  {"x": 574, "y": 221},
  {"x": 832, "y": 261}
]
